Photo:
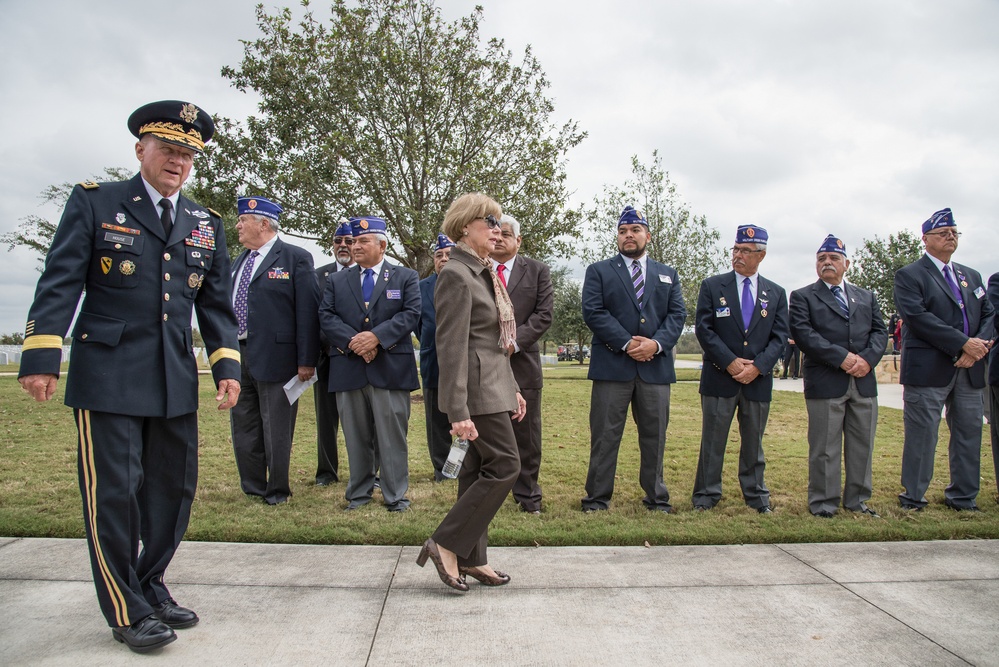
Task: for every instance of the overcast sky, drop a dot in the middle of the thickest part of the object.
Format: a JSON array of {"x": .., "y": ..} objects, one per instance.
[{"x": 848, "y": 117}]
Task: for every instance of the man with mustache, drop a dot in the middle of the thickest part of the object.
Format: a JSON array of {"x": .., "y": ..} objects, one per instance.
[
  {"x": 840, "y": 329},
  {"x": 327, "y": 417},
  {"x": 947, "y": 335},
  {"x": 742, "y": 327}
]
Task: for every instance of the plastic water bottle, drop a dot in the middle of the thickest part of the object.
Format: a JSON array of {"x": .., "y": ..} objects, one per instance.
[{"x": 454, "y": 458}]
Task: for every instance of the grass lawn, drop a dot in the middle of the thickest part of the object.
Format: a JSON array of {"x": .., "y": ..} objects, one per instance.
[{"x": 39, "y": 495}]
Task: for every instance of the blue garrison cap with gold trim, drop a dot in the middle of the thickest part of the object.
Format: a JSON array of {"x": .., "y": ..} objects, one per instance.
[
  {"x": 367, "y": 225},
  {"x": 443, "y": 242},
  {"x": 632, "y": 216},
  {"x": 832, "y": 244},
  {"x": 343, "y": 229},
  {"x": 942, "y": 218},
  {"x": 258, "y": 206},
  {"x": 751, "y": 234}
]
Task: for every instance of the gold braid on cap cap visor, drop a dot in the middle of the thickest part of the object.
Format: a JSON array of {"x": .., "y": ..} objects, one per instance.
[{"x": 175, "y": 132}]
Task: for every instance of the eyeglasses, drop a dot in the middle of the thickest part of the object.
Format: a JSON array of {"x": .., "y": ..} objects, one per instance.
[
  {"x": 490, "y": 220},
  {"x": 744, "y": 251},
  {"x": 343, "y": 240},
  {"x": 945, "y": 235}
]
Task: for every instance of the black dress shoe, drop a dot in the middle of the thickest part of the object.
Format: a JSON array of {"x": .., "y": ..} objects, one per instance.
[
  {"x": 766, "y": 509},
  {"x": 701, "y": 508},
  {"x": 958, "y": 508},
  {"x": 591, "y": 510},
  {"x": 823, "y": 514},
  {"x": 665, "y": 510},
  {"x": 868, "y": 511},
  {"x": 174, "y": 615},
  {"x": 911, "y": 508},
  {"x": 146, "y": 635}
]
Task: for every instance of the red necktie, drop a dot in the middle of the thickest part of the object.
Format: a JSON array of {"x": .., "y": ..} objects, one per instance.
[{"x": 501, "y": 270}]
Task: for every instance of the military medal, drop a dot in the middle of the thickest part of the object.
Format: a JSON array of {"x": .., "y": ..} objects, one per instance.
[
  {"x": 763, "y": 313},
  {"x": 964, "y": 283},
  {"x": 192, "y": 280},
  {"x": 127, "y": 267},
  {"x": 722, "y": 301}
]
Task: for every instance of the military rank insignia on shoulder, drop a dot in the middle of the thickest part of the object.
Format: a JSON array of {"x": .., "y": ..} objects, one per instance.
[
  {"x": 214, "y": 212},
  {"x": 89, "y": 185}
]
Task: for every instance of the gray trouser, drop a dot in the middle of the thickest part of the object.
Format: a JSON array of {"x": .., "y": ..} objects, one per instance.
[{"x": 376, "y": 419}]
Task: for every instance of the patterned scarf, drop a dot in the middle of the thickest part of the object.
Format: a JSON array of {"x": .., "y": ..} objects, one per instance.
[{"x": 504, "y": 307}]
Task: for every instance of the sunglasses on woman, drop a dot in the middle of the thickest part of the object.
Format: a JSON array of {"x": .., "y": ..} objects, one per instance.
[{"x": 490, "y": 220}]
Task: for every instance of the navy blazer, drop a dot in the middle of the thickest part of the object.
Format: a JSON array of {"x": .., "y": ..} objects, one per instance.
[
  {"x": 719, "y": 330},
  {"x": 933, "y": 333},
  {"x": 613, "y": 314},
  {"x": 392, "y": 315},
  {"x": 132, "y": 343},
  {"x": 282, "y": 306},
  {"x": 426, "y": 330},
  {"x": 993, "y": 295},
  {"x": 826, "y": 336}
]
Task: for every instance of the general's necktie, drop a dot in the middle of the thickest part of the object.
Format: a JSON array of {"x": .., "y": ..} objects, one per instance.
[
  {"x": 242, "y": 289},
  {"x": 368, "y": 284},
  {"x": 501, "y": 270},
  {"x": 841, "y": 299},
  {"x": 957, "y": 295},
  {"x": 638, "y": 280},
  {"x": 747, "y": 303},
  {"x": 167, "y": 216}
]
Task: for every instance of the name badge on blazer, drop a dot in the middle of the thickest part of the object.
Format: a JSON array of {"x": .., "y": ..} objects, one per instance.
[
  {"x": 393, "y": 294},
  {"x": 980, "y": 292},
  {"x": 665, "y": 279},
  {"x": 723, "y": 312}
]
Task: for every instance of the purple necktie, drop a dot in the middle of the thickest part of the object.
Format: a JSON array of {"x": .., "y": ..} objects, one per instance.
[
  {"x": 747, "y": 303},
  {"x": 638, "y": 280},
  {"x": 242, "y": 289},
  {"x": 957, "y": 295}
]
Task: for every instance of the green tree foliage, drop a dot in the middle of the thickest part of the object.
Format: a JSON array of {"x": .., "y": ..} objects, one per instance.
[
  {"x": 876, "y": 261},
  {"x": 36, "y": 232},
  {"x": 680, "y": 239},
  {"x": 388, "y": 110},
  {"x": 567, "y": 311},
  {"x": 16, "y": 338}
]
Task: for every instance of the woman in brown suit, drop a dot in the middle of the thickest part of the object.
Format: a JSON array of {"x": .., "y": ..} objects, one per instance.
[{"x": 475, "y": 328}]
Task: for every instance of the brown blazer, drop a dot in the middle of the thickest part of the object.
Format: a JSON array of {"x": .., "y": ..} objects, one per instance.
[
  {"x": 475, "y": 374},
  {"x": 530, "y": 289}
]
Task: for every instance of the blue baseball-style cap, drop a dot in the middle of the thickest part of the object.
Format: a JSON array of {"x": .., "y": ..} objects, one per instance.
[
  {"x": 443, "y": 242},
  {"x": 632, "y": 216},
  {"x": 367, "y": 225},
  {"x": 942, "y": 218},
  {"x": 258, "y": 206},
  {"x": 832, "y": 244},
  {"x": 751, "y": 234},
  {"x": 343, "y": 229}
]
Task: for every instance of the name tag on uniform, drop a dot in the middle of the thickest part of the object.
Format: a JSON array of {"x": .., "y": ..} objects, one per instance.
[
  {"x": 665, "y": 279},
  {"x": 723, "y": 312},
  {"x": 129, "y": 240},
  {"x": 393, "y": 294},
  {"x": 980, "y": 292}
]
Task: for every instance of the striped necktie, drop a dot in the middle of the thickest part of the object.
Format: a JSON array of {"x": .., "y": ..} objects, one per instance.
[
  {"x": 841, "y": 299},
  {"x": 638, "y": 280}
]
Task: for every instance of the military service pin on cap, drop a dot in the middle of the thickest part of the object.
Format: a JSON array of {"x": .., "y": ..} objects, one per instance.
[
  {"x": 175, "y": 122},
  {"x": 832, "y": 244},
  {"x": 258, "y": 206},
  {"x": 751, "y": 234},
  {"x": 942, "y": 218},
  {"x": 632, "y": 216},
  {"x": 367, "y": 225}
]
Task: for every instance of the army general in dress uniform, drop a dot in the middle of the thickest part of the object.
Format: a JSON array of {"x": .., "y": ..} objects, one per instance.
[{"x": 144, "y": 255}]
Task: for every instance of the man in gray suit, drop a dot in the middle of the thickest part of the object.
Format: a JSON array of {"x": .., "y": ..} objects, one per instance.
[
  {"x": 529, "y": 284},
  {"x": 947, "y": 335},
  {"x": 843, "y": 336}
]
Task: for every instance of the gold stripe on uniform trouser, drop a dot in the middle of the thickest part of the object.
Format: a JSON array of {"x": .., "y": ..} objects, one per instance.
[{"x": 90, "y": 498}]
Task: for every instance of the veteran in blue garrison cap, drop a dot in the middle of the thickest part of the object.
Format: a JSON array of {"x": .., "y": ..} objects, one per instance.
[
  {"x": 368, "y": 314},
  {"x": 842, "y": 333}
]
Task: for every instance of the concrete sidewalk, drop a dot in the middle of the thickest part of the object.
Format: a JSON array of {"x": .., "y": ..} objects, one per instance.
[{"x": 915, "y": 603}]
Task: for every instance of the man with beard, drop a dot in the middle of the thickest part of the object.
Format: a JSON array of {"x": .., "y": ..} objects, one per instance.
[
  {"x": 634, "y": 306},
  {"x": 947, "y": 335},
  {"x": 840, "y": 329},
  {"x": 327, "y": 418},
  {"x": 741, "y": 324},
  {"x": 438, "y": 426}
]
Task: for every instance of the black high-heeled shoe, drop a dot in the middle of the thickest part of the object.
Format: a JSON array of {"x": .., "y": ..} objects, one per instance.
[
  {"x": 501, "y": 579},
  {"x": 430, "y": 550}
]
